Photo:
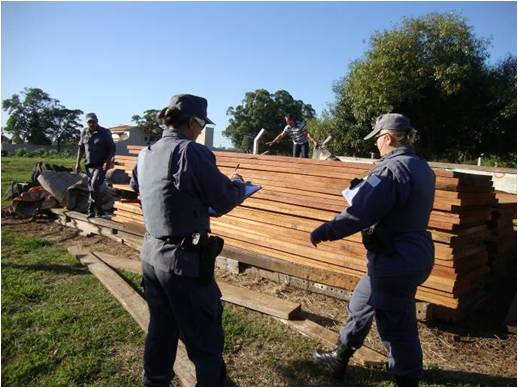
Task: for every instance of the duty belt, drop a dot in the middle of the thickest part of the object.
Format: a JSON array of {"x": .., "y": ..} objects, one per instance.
[{"x": 191, "y": 241}]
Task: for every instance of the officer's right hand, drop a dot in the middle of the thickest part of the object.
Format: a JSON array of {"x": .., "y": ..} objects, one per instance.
[
  {"x": 237, "y": 177},
  {"x": 77, "y": 169}
]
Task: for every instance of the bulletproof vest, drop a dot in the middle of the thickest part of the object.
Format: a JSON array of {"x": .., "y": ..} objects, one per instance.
[
  {"x": 414, "y": 213},
  {"x": 169, "y": 208}
]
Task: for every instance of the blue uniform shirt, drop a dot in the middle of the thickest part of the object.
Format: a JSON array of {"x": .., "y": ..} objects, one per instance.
[
  {"x": 98, "y": 146},
  {"x": 398, "y": 193}
]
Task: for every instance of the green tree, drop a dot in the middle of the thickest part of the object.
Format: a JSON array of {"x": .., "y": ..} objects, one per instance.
[
  {"x": 433, "y": 69},
  {"x": 149, "y": 123},
  {"x": 500, "y": 132},
  {"x": 261, "y": 109},
  {"x": 64, "y": 125},
  {"x": 35, "y": 117},
  {"x": 28, "y": 120}
]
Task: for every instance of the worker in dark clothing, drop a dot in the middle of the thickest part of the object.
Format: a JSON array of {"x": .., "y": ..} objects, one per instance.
[
  {"x": 96, "y": 144},
  {"x": 177, "y": 180},
  {"x": 391, "y": 206}
]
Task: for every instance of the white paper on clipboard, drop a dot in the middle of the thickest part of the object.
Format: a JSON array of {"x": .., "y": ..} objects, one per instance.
[
  {"x": 349, "y": 194},
  {"x": 250, "y": 189}
]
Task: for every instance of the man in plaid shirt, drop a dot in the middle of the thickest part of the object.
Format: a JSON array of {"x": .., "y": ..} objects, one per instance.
[{"x": 299, "y": 135}]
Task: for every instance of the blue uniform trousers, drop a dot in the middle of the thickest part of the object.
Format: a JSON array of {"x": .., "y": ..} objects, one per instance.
[
  {"x": 95, "y": 180},
  {"x": 179, "y": 307},
  {"x": 391, "y": 301}
]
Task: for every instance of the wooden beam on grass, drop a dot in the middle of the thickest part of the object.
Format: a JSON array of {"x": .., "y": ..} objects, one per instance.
[{"x": 364, "y": 356}]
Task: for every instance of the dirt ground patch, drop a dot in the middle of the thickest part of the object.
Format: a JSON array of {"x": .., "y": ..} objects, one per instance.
[{"x": 478, "y": 346}]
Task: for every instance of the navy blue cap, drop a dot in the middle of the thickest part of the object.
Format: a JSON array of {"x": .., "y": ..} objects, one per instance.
[
  {"x": 90, "y": 116},
  {"x": 187, "y": 105},
  {"x": 394, "y": 121}
]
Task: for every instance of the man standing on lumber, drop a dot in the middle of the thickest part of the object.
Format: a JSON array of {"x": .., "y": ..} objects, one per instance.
[
  {"x": 178, "y": 180},
  {"x": 299, "y": 136},
  {"x": 391, "y": 206},
  {"x": 96, "y": 144}
]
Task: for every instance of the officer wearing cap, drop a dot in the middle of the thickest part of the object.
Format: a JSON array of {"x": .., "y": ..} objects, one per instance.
[
  {"x": 178, "y": 180},
  {"x": 96, "y": 144},
  {"x": 391, "y": 206}
]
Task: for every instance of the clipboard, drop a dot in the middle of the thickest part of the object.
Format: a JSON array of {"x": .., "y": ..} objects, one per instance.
[{"x": 250, "y": 189}]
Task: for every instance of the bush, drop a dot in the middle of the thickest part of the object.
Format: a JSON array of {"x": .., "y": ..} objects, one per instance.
[
  {"x": 22, "y": 152},
  {"x": 508, "y": 160}
]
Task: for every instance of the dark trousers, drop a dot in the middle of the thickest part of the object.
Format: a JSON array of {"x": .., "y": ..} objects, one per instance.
[
  {"x": 299, "y": 149},
  {"x": 180, "y": 307},
  {"x": 391, "y": 301},
  {"x": 95, "y": 180}
]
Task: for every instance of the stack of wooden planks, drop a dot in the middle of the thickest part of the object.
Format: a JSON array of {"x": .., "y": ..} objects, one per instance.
[
  {"x": 501, "y": 241},
  {"x": 300, "y": 194}
]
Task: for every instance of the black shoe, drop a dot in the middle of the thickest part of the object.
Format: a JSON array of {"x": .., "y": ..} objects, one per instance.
[
  {"x": 336, "y": 360},
  {"x": 100, "y": 212},
  {"x": 406, "y": 381}
]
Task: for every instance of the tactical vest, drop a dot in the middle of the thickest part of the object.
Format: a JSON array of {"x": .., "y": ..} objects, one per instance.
[{"x": 169, "y": 210}]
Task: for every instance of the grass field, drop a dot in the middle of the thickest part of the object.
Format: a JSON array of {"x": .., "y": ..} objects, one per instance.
[{"x": 61, "y": 327}]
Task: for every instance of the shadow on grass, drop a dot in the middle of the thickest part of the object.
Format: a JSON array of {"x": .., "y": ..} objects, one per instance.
[
  {"x": 456, "y": 378},
  {"x": 306, "y": 373},
  {"x": 57, "y": 268},
  {"x": 324, "y": 321}
]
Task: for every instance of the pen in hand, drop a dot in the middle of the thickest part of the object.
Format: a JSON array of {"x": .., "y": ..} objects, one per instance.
[{"x": 236, "y": 175}]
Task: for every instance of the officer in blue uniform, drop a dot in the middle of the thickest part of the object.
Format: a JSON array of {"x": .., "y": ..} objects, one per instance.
[
  {"x": 178, "y": 180},
  {"x": 391, "y": 206},
  {"x": 96, "y": 144}
]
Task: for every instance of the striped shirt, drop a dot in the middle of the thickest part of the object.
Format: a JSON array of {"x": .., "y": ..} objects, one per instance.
[{"x": 298, "y": 133}]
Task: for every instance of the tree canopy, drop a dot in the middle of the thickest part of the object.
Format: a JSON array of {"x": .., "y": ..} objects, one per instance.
[
  {"x": 35, "y": 117},
  {"x": 149, "y": 123},
  {"x": 432, "y": 69},
  {"x": 261, "y": 109}
]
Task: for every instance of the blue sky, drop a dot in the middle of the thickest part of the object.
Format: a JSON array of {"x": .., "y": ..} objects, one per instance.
[{"x": 120, "y": 58}]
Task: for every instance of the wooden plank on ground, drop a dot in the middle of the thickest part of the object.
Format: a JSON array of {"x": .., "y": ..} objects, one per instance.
[
  {"x": 241, "y": 296},
  {"x": 364, "y": 356},
  {"x": 264, "y": 303},
  {"x": 136, "y": 307}
]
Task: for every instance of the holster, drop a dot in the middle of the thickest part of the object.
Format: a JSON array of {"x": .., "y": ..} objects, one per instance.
[
  {"x": 208, "y": 253},
  {"x": 378, "y": 239}
]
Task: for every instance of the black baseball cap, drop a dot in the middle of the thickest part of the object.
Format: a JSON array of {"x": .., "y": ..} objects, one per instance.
[{"x": 187, "y": 105}]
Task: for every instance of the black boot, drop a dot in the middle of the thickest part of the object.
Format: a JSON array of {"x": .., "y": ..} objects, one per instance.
[
  {"x": 406, "y": 381},
  {"x": 99, "y": 211},
  {"x": 91, "y": 210},
  {"x": 336, "y": 360}
]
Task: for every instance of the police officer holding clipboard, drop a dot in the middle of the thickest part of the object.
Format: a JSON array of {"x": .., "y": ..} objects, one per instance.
[
  {"x": 178, "y": 181},
  {"x": 391, "y": 206}
]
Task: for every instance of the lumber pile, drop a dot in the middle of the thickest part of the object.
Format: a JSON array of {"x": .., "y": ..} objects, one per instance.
[
  {"x": 272, "y": 226},
  {"x": 501, "y": 241}
]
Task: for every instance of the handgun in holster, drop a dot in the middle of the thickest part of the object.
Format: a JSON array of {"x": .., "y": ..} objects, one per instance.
[
  {"x": 378, "y": 239},
  {"x": 208, "y": 253},
  {"x": 208, "y": 247}
]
